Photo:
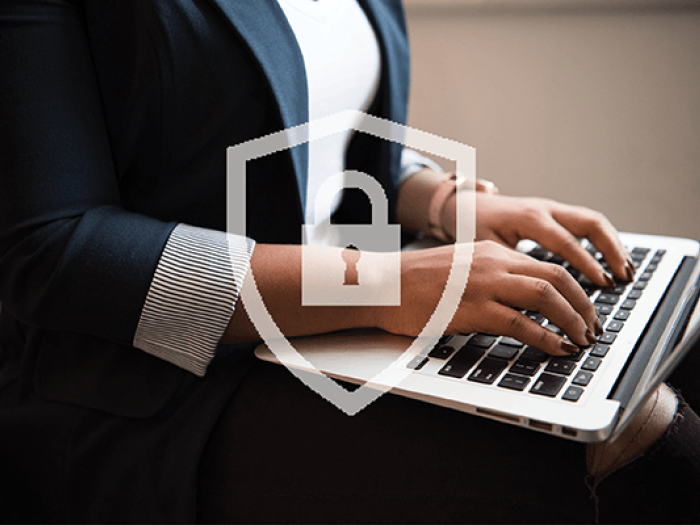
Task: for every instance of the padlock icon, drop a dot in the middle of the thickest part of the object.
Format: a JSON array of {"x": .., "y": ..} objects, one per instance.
[{"x": 324, "y": 282}]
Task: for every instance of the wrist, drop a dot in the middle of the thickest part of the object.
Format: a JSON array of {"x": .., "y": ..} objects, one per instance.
[
  {"x": 441, "y": 208},
  {"x": 368, "y": 279},
  {"x": 443, "y": 205},
  {"x": 379, "y": 275}
]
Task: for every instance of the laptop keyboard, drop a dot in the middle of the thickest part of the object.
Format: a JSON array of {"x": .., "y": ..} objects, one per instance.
[{"x": 507, "y": 363}]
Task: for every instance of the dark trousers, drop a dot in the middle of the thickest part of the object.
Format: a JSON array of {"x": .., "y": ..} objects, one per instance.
[{"x": 280, "y": 453}]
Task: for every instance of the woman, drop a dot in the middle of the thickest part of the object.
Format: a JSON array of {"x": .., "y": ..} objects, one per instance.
[{"x": 128, "y": 389}]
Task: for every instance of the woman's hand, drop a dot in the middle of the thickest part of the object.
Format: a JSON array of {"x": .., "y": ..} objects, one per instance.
[
  {"x": 508, "y": 220},
  {"x": 500, "y": 280},
  {"x": 555, "y": 227}
]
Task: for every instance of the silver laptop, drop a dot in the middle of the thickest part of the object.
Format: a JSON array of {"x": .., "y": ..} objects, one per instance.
[{"x": 649, "y": 326}]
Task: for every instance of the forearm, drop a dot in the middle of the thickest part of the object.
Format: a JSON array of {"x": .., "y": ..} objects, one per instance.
[
  {"x": 277, "y": 274},
  {"x": 277, "y": 271},
  {"x": 415, "y": 194},
  {"x": 421, "y": 201}
]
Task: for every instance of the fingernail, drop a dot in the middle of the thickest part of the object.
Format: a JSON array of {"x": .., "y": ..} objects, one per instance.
[
  {"x": 629, "y": 270},
  {"x": 598, "y": 327},
  {"x": 609, "y": 281},
  {"x": 568, "y": 346},
  {"x": 590, "y": 337}
]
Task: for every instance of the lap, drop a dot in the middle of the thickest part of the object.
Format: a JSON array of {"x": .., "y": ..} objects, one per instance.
[{"x": 280, "y": 453}]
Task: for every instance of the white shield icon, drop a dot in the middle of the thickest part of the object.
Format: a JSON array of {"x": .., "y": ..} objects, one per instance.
[{"x": 465, "y": 159}]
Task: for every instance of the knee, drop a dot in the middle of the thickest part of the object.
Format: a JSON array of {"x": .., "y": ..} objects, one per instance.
[{"x": 649, "y": 424}]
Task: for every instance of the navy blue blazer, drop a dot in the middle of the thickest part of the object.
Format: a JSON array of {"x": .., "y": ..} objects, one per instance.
[{"x": 115, "y": 116}]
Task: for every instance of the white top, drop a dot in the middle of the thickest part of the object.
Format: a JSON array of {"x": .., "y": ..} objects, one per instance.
[{"x": 343, "y": 66}]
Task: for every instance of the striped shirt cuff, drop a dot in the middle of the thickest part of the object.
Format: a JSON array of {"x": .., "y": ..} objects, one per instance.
[
  {"x": 412, "y": 162},
  {"x": 193, "y": 295}
]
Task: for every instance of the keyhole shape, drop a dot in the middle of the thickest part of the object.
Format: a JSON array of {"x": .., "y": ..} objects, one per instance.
[{"x": 351, "y": 255}]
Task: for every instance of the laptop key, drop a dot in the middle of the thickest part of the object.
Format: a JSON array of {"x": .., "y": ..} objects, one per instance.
[
  {"x": 417, "y": 362},
  {"x": 573, "y": 393},
  {"x": 444, "y": 339},
  {"x": 534, "y": 354},
  {"x": 592, "y": 364},
  {"x": 604, "y": 309},
  {"x": 600, "y": 350},
  {"x": 511, "y": 342},
  {"x": 614, "y": 290},
  {"x": 628, "y": 304},
  {"x": 582, "y": 378},
  {"x": 589, "y": 289},
  {"x": 463, "y": 360},
  {"x": 514, "y": 382},
  {"x": 557, "y": 259},
  {"x": 607, "y": 298},
  {"x": 560, "y": 366},
  {"x": 548, "y": 385},
  {"x": 482, "y": 340},
  {"x": 607, "y": 338},
  {"x": 488, "y": 370},
  {"x": 574, "y": 272},
  {"x": 504, "y": 351},
  {"x": 441, "y": 352},
  {"x": 539, "y": 253},
  {"x": 525, "y": 367},
  {"x": 615, "y": 326},
  {"x": 576, "y": 356},
  {"x": 622, "y": 315}
]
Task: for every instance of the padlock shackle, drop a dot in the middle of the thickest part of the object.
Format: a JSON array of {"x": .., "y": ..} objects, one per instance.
[{"x": 352, "y": 179}]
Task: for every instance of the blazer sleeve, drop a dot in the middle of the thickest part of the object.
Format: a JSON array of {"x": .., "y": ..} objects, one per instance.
[{"x": 72, "y": 258}]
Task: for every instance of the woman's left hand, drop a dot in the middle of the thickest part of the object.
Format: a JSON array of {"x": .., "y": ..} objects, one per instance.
[{"x": 555, "y": 227}]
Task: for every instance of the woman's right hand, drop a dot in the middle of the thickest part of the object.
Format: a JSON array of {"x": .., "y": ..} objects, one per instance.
[{"x": 501, "y": 282}]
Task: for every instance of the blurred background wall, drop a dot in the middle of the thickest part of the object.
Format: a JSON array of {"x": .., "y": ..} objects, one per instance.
[{"x": 593, "y": 102}]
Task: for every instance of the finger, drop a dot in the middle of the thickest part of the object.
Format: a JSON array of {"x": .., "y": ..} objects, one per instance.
[
  {"x": 561, "y": 241},
  {"x": 542, "y": 296},
  {"x": 486, "y": 186},
  {"x": 600, "y": 231},
  {"x": 567, "y": 287},
  {"x": 487, "y": 234},
  {"x": 506, "y": 321}
]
